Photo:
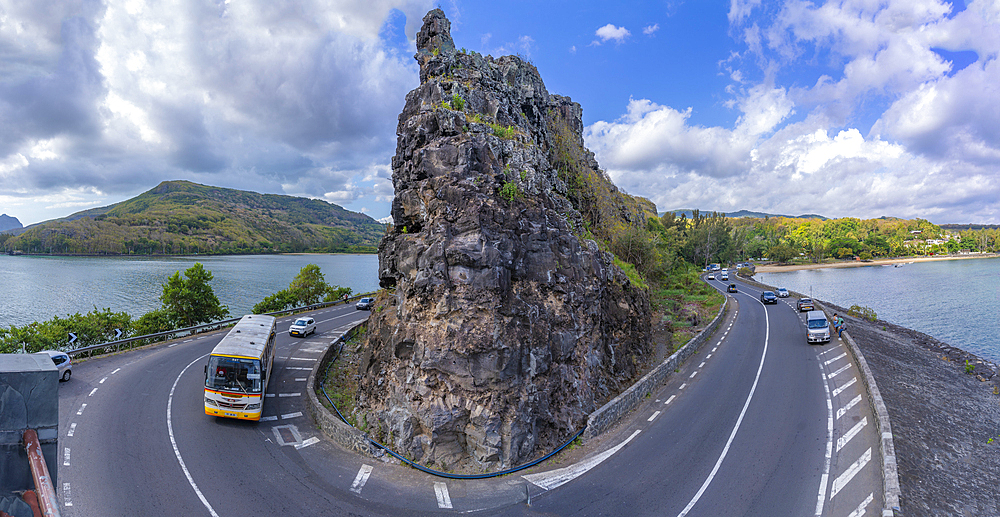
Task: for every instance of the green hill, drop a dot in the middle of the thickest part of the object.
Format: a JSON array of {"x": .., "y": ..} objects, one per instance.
[
  {"x": 689, "y": 213},
  {"x": 180, "y": 217}
]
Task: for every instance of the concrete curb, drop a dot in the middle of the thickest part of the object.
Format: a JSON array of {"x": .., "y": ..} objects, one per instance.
[
  {"x": 890, "y": 475},
  {"x": 331, "y": 425},
  {"x": 611, "y": 413}
]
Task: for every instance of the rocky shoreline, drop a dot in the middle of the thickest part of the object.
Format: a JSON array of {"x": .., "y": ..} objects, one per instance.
[{"x": 944, "y": 407}]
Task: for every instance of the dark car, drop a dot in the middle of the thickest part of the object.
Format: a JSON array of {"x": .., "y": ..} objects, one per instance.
[
  {"x": 365, "y": 304},
  {"x": 768, "y": 297},
  {"x": 732, "y": 288},
  {"x": 806, "y": 304}
]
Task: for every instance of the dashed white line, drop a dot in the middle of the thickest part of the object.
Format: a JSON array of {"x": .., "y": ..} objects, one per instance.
[
  {"x": 852, "y": 403},
  {"x": 102, "y": 380},
  {"x": 115, "y": 371},
  {"x": 268, "y": 418},
  {"x": 296, "y": 368},
  {"x": 825, "y": 477},
  {"x": 67, "y": 500},
  {"x": 361, "y": 479},
  {"x": 693, "y": 374},
  {"x": 835, "y": 359},
  {"x": 281, "y": 395},
  {"x": 307, "y": 442},
  {"x": 709, "y": 356},
  {"x": 860, "y": 510},
  {"x": 72, "y": 429},
  {"x": 269, "y": 395},
  {"x": 669, "y": 400},
  {"x": 714, "y": 349},
  {"x": 702, "y": 365},
  {"x": 82, "y": 407},
  {"x": 173, "y": 345},
  {"x": 846, "y": 385},
  {"x": 92, "y": 392},
  {"x": 441, "y": 492},
  {"x": 845, "y": 478},
  {"x": 291, "y": 415},
  {"x": 843, "y": 440},
  {"x": 301, "y": 379},
  {"x": 66, "y": 457},
  {"x": 682, "y": 386},
  {"x": 301, "y": 358},
  {"x": 656, "y": 414}
]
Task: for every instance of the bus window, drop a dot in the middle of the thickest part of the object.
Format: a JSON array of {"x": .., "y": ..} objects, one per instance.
[{"x": 233, "y": 374}]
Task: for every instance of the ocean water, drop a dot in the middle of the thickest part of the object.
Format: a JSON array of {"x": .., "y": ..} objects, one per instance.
[
  {"x": 38, "y": 288},
  {"x": 956, "y": 301}
]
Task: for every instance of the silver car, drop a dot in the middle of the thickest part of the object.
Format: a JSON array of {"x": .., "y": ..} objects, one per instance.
[
  {"x": 62, "y": 362},
  {"x": 302, "y": 327}
]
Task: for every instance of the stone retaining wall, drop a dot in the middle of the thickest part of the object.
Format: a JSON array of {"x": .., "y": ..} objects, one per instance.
[
  {"x": 609, "y": 414},
  {"x": 332, "y": 426}
]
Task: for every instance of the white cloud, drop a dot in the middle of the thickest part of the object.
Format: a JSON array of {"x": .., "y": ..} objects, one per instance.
[
  {"x": 610, "y": 32},
  {"x": 650, "y": 29}
]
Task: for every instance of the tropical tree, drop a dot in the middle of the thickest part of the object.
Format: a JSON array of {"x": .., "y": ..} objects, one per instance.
[
  {"x": 307, "y": 288},
  {"x": 191, "y": 301}
]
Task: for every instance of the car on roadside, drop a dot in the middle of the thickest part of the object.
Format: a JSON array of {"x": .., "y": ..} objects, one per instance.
[
  {"x": 768, "y": 297},
  {"x": 62, "y": 362},
  {"x": 782, "y": 292},
  {"x": 302, "y": 327},
  {"x": 805, "y": 304},
  {"x": 731, "y": 288},
  {"x": 365, "y": 304}
]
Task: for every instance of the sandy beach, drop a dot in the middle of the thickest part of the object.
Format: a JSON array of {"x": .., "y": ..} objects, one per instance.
[{"x": 774, "y": 268}]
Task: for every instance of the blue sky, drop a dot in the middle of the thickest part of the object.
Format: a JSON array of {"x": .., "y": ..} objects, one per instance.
[{"x": 855, "y": 108}]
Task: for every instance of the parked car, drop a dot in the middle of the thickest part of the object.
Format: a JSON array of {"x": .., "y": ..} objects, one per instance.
[
  {"x": 732, "y": 288},
  {"x": 817, "y": 327},
  {"x": 62, "y": 362},
  {"x": 768, "y": 297},
  {"x": 806, "y": 304},
  {"x": 302, "y": 327},
  {"x": 782, "y": 292},
  {"x": 365, "y": 304}
]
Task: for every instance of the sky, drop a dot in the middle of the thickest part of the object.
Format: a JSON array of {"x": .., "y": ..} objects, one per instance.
[{"x": 856, "y": 108}]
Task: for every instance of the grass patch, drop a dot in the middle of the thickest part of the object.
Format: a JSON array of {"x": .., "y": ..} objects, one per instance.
[
  {"x": 505, "y": 132},
  {"x": 340, "y": 383},
  {"x": 632, "y": 274}
]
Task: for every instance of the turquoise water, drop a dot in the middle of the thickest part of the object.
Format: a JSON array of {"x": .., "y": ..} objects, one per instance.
[
  {"x": 956, "y": 301},
  {"x": 38, "y": 288}
]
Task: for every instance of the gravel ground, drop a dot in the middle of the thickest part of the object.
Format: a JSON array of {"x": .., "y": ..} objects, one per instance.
[{"x": 945, "y": 421}]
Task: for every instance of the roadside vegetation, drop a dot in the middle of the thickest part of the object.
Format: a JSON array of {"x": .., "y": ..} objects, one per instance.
[{"x": 186, "y": 301}]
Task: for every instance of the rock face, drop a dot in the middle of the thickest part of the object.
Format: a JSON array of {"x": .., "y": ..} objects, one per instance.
[{"x": 502, "y": 325}]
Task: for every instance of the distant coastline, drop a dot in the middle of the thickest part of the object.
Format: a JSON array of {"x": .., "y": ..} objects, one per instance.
[{"x": 774, "y": 268}]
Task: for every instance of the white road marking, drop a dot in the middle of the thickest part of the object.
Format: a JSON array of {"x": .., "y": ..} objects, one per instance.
[
  {"x": 307, "y": 442},
  {"x": 714, "y": 349},
  {"x": 67, "y": 500},
  {"x": 72, "y": 429},
  {"x": 173, "y": 441},
  {"x": 102, "y": 380},
  {"x": 669, "y": 400},
  {"x": 559, "y": 477},
  {"x": 852, "y": 403},
  {"x": 302, "y": 358},
  {"x": 702, "y": 365},
  {"x": 732, "y": 435},
  {"x": 846, "y": 385},
  {"x": 860, "y": 510},
  {"x": 682, "y": 386},
  {"x": 835, "y": 359},
  {"x": 361, "y": 479},
  {"x": 840, "y": 371},
  {"x": 268, "y": 395},
  {"x": 92, "y": 392},
  {"x": 693, "y": 374},
  {"x": 441, "y": 492},
  {"x": 301, "y": 379},
  {"x": 66, "y": 457},
  {"x": 656, "y": 414},
  {"x": 82, "y": 407},
  {"x": 709, "y": 356},
  {"x": 291, "y": 415},
  {"x": 187, "y": 341},
  {"x": 115, "y": 371},
  {"x": 843, "y": 440},
  {"x": 296, "y": 368},
  {"x": 827, "y": 459},
  {"x": 268, "y": 418},
  {"x": 173, "y": 345},
  {"x": 845, "y": 478},
  {"x": 280, "y": 395}
]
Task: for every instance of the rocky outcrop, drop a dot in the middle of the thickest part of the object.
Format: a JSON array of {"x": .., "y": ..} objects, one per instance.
[{"x": 503, "y": 323}]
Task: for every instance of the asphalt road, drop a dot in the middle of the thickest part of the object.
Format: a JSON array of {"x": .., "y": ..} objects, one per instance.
[{"x": 743, "y": 428}]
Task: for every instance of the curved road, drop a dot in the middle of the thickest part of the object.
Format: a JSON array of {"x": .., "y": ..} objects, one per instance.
[{"x": 756, "y": 423}]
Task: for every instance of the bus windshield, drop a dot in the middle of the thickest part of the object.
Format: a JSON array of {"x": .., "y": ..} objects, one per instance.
[{"x": 233, "y": 374}]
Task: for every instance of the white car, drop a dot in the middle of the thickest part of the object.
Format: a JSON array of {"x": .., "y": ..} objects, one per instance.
[
  {"x": 302, "y": 327},
  {"x": 62, "y": 362},
  {"x": 782, "y": 292},
  {"x": 711, "y": 277}
]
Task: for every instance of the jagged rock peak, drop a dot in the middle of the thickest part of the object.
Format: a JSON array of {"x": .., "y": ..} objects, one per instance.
[{"x": 435, "y": 36}]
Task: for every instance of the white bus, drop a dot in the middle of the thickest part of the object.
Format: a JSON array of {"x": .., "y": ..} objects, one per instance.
[{"x": 238, "y": 369}]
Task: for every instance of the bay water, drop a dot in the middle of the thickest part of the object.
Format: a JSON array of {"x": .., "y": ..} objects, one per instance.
[
  {"x": 956, "y": 301},
  {"x": 37, "y": 288}
]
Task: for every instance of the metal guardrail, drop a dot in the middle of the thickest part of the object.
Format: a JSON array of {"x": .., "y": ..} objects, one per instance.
[
  {"x": 44, "y": 489},
  {"x": 118, "y": 345}
]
